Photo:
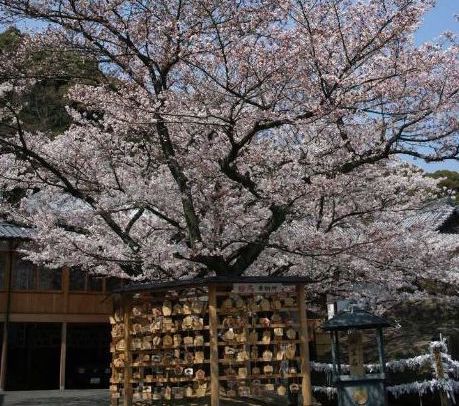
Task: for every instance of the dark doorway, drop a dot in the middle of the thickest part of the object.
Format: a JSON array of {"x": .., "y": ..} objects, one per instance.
[
  {"x": 33, "y": 356},
  {"x": 88, "y": 356}
]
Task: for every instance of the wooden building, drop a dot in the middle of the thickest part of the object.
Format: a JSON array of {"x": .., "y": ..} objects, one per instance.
[{"x": 55, "y": 323}]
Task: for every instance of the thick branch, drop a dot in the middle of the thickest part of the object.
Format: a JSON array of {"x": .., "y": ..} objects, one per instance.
[
  {"x": 191, "y": 218},
  {"x": 248, "y": 254}
]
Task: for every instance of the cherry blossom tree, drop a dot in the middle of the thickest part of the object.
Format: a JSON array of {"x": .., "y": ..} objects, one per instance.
[{"x": 238, "y": 138}]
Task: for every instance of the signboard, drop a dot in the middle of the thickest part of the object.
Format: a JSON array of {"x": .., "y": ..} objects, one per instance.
[
  {"x": 331, "y": 310},
  {"x": 262, "y": 288}
]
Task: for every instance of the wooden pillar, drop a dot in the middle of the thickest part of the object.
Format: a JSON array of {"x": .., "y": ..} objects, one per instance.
[
  {"x": 338, "y": 352},
  {"x": 63, "y": 356},
  {"x": 382, "y": 361},
  {"x": 306, "y": 387},
  {"x": 380, "y": 341},
  {"x": 4, "y": 357},
  {"x": 440, "y": 374},
  {"x": 8, "y": 284},
  {"x": 213, "y": 331},
  {"x": 65, "y": 283},
  {"x": 335, "y": 355},
  {"x": 127, "y": 353}
]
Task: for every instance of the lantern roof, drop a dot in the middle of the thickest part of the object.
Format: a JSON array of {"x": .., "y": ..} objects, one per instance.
[{"x": 355, "y": 319}]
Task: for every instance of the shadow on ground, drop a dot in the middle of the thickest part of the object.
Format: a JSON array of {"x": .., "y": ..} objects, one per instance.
[
  {"x": 57, "y": 398},
  {"x": 101, "y": 398}
]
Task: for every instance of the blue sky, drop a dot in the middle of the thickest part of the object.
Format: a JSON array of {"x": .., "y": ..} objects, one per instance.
[{"x": 438, "y": 20}]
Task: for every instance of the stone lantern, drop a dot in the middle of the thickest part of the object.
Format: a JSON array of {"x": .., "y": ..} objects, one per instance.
[{"x": 358, "y": 387}]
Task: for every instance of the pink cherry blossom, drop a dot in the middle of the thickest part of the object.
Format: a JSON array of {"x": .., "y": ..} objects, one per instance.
[{"x": 239, "y": 137}]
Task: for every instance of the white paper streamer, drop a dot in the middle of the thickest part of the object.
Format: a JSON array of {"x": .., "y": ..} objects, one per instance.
[
  {"x": 329, "y": 391},
  {"x": 445, "y": 384},
  {"x": 423, "y": 387},
  {"x": 394, "y": 366}
]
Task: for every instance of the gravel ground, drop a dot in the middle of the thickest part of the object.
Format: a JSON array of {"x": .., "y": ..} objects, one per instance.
[
  {"x": 57, "y": 398},
  {"x": 100, "y": 398}
]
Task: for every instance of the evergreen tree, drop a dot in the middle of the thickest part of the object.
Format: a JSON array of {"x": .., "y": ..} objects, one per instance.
[
  {"x": 43, "y": 106},
  {"x": 450, "y": 181}
]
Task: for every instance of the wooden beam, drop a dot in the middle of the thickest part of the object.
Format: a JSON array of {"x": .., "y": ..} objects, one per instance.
[
  {"x": 213, "y": 325},
  {"x": 306, "y": 388},
  {"x": 63, "y": 359},
  {"x": 58, "y": 318}
]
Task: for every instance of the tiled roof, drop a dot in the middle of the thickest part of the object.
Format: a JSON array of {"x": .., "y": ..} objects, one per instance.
[
  {"x": 12, "y": 231},
  {"x": 433, "y": 215}
]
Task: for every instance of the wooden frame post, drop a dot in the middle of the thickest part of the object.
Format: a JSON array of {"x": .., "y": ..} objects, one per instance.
[
  {"x": 380, "y": 341},
  {"x": 306, "y": 388},
  {"x": 127, "y": 399},
  {"x": 213, "y": 331},
  {"x": 63, "y": 356},
  {"x": 440, "y": 374}
]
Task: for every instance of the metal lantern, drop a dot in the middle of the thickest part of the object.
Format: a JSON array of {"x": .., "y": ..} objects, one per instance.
[{"x": 358, "y": 387}]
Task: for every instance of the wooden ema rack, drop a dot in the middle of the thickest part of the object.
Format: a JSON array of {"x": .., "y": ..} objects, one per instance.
[{"x": 210, "y": 340}]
